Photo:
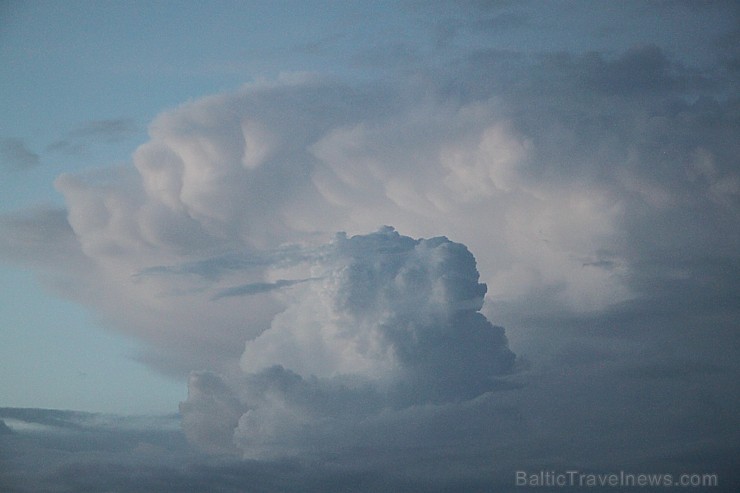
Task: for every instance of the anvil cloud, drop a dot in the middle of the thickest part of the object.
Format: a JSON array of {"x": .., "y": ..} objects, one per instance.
[{"x": 464, "y": 256}]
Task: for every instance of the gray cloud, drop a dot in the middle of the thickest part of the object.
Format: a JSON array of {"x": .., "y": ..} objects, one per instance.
[
  {"x": 111, "y": 129},
  {"x": 216, "y": 268},
  {"x": 257, "y": 288},
  {"x": 78, "y": 140},
  {"x": 150, "y": 454},
  {"x": 211, "y": 413},
  {"x": 674, "y": 370},
  {"x": 16, "y": 154},
  {"x": 40, "y": 236}
]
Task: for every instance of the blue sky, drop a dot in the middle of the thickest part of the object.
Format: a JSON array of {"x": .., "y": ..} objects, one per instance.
[{"x": 260, "y": 214}]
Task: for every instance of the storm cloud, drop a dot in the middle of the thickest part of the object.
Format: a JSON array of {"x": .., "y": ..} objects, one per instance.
[
  {"x": 386, "y": 324},
  {"x": 587, "y": 200}
]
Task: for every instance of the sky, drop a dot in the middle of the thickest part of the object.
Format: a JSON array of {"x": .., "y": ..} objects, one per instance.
[{"x": 367, "y": 246}]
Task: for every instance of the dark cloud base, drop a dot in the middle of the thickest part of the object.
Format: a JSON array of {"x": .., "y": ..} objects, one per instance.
[{"x": 74, "y": 452}]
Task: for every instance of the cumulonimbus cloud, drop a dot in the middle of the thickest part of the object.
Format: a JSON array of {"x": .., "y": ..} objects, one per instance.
[
  {"x": 214, "y": 247},
  {"x": 387, "y": 322}
]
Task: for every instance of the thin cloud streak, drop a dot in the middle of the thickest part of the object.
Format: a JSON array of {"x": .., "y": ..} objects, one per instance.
[
  {"x": 258, "y": 287},
  {"x": 78, "y": 140},
  {"x": 16, "y": 155}
]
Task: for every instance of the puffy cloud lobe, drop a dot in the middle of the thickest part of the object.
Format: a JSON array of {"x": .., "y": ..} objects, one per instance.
[
  {"x": 381, "y": 303},
  {"x": 237, "y": 164},
  {"x": 210, "y": 413},
  {"x": 434, "y": 167},
  {"x": 387, "y": 322}
]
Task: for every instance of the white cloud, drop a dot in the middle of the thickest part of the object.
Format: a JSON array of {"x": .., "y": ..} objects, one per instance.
[
  {"x": 491, "y": 165},
  {"x": 375, "y": 303},
  {"x": 293, "y": 162},
  {"x": 386, "y": 322}
]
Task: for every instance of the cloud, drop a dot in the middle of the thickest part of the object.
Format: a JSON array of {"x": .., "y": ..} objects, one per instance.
[
  {"x": 388, "y": 322},
  {"x": 598, "y": 192},
  {"x": 257, "y": 287},
  {"x": 51, "y": 450},
  {"x": 369, "y": 287},
  {"x": 215, "y": 268},
  {"x": 211, "y": 412},
  {"x": 569, "y": 190},
  {"x": 79, "y": 139},
  {"x": 197, "y": 193},
  {"x": 39, "y": 236},
  {"x": 482, "y": 441},
  {"x": 111, "y": 129},
  {"x": 566, "y": 185},
  {"x": 16, "y": 154},
  {"x": 240, "y": 177}
]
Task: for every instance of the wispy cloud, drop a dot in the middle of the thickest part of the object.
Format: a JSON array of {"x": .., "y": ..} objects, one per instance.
[
  {"x": 258, "y": 287},
  {"x": 112, "y": 129},
  {"x": 79, "y": 139},
  {"x": 16, "y": 155}
]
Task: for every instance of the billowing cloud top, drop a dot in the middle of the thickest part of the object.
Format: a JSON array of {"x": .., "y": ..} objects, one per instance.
[{"x": 385, "y": 322}]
